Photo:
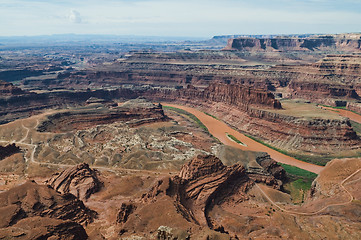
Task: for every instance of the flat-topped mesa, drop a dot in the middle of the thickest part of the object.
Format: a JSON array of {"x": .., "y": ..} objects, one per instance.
[{"x": 321, "y": 43}]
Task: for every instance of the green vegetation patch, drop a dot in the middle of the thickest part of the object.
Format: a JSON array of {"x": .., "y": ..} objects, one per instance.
[
  {"x": 211, "y": 115},
  {"x": 356, "y": 127},
  {"x": 190, "y": 115},
  {"x": 299, "y": 182},
  {"x": 295, "y": 171},
  {"x": 234, "y": 139}
]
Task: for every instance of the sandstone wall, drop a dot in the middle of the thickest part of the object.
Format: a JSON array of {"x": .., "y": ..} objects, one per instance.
[
  {"x": 293, "y": 44},
  {"x": 232, "y": 94},
  {"x": 318, "y": 90}
]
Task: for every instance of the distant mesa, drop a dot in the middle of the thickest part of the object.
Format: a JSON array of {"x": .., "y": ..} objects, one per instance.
[{"x": 348, "y": 43}]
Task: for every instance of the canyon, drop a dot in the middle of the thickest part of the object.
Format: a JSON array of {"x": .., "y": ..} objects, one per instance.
[{"x": 236, "y": 137}]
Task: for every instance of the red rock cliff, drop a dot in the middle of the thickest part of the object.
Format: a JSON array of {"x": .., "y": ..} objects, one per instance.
[
  {"x": 294, "y": 44},
  {"x": 232, "y": 94}
]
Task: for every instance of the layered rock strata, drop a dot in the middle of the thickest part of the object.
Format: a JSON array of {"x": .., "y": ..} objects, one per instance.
[
  {"x": 24, "y": 105},
  {"x": 303, "y": 134},
  {"x": 33, "y": 211},
  {"x": 31, "y": 199},
  {"x": 313, "y": 43},
  {"x": 230, "y": 94},
  {"x": 202, "y": 184},
  {"x": 296, "y": 133},
  {"x": 80, "y": 180},
  {"x": 134, "y": 112}
]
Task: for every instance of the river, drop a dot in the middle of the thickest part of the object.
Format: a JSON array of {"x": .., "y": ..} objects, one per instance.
[{"x": 219, "y": 130}]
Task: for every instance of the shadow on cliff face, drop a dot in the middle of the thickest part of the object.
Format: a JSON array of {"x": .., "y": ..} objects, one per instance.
[{"x": 189, "y": 197}]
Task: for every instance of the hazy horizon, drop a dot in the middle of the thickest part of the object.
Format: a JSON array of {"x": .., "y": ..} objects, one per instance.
[{"x": 174, "y": 18}]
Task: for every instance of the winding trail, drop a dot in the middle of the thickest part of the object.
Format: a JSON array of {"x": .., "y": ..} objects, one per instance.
[
  {"x": 219, "y": 130},
  {"x": 318, "y": 211}
]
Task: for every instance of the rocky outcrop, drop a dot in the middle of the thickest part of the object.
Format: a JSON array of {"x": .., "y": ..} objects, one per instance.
[
  {"x": 43, "y": 228},
  {"x": 167, "y": 233},
  {"x": 202, "y": 183},
  {"x": 32, "y": 211},
  {"x": 271, "y": 166},
  {"x": 18, "y": 74},
  {"x": 80, "y": 180},
  {"x": 8, "y": 89},
  {"x": 313, "y": 43},
  {"x": 260, "y": 167},
  {"x": 108, "y": 103},
  {"x": 238, "y": 95},
  {"x": 8, "y": 150},
  {"x": 31, "y": 199},
  {"x": 125, "y": 210},
  {"x": 335, "y": 76},
  {"x": 25, "y": 105},
  {"x": 267, "y": 171}
]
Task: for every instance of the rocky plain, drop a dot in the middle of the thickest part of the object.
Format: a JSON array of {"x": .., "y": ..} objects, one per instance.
[{"x": 230, "y": 138}]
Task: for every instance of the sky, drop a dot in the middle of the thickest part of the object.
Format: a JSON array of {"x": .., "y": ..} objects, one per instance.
[{"x": 191, "y": 18}]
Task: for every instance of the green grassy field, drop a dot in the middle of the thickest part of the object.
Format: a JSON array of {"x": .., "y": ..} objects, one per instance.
[
  {"x": 299, "y": 182},
  {"x": 292, "y": 170}
]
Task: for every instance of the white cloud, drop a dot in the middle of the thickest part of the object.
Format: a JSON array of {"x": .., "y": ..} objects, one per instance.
[
  {"x": 178, "y": 17},
  {"x": 74, "y": 16}
]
